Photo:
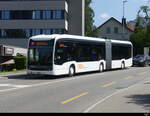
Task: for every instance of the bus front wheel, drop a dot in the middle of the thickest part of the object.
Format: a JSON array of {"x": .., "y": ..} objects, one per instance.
[
  {"x": 71, "y": 71},
  {"x": 101, "y": 68},
  {"x": 123, "y": 65}
]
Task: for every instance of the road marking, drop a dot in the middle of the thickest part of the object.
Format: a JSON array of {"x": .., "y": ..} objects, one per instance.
[
  {"x": 129, "y": 77},
  {"x": 13, "y": 85},
  {"x": 38, "y": 84},
  {"x": 106, "y": 98},
  {"x": 142, "y": 73},
  {"x": 108, "y": 84},
  {"x": 48, "y": 83},
  {"x": 7, "y": 90},
  {"x": 74, "y": 98}
]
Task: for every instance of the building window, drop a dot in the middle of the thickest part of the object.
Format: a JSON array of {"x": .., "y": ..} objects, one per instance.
[
  {"x": 108, "y": 30},
  {"x": 0, "y": 14},
  {"x": 62, "y": 14},
  {"x": 3, "y": 33},
  {"x": 28, "y": 14},
  {"x": 36, "y": 14},
  {"x": 46, "y": 31},
  {"x": 12, "y": 33},
  {"x": 47, "y": 14},
  {"x": 36, "y": 32},
  {"x": 20, "y": 15},
  {"x": 59, "y": 31},
  {"x": 116, "y": 30},
  {"x": 5, "y": 15},
  {"x": 58, "y": 14},
  {"x": 26, "y": 33}
]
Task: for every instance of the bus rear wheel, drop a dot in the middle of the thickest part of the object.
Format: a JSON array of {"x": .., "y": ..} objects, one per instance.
[{"x": 71, "y": 71}]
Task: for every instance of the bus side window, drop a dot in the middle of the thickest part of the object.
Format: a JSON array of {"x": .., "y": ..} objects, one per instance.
[
  {"x": 70, "y": 49},
  {"x": 101, "y": 52},
  {"x": 64, "y": 52},
  {"x": 58, "y": 56},
  {"x": 94, "y": 54}
]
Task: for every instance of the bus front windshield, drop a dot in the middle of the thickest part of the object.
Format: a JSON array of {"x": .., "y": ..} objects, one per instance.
[{"x": 40, "y": 54}]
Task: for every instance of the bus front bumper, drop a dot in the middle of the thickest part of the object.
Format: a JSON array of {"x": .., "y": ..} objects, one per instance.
[
  {"x": 53, "y": 73},
  {"x": 40, "y": 72}
]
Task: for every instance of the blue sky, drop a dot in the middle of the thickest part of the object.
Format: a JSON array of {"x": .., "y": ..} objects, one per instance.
[{"x": 104, "y": 9}]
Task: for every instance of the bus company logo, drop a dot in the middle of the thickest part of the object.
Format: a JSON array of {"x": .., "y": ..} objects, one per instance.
[{"x": 81, "y": 66}]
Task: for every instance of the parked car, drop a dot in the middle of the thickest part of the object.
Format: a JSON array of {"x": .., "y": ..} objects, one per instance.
[{"x": 141, "y": 60}]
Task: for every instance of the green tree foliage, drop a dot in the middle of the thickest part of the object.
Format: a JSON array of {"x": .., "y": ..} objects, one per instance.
[
  {"x": 145, "y": 10},
  {"x": 137, "y": 40},
  {"x": 141, "y": 37},
  {"x": 89, "y": 21}
]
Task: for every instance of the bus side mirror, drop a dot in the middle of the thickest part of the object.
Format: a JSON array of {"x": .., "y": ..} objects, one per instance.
[{"x": 57, "y": 58}]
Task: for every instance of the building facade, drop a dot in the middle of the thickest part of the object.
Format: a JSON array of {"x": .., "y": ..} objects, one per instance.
[
  {"x": 113, "y": 29},
  {"x": 21, "y": 19}
]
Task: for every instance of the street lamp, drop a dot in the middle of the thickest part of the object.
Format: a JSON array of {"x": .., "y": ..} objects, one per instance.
[
  {"x": 123, "y": 19},
  {"x": 124, "y": 1}
]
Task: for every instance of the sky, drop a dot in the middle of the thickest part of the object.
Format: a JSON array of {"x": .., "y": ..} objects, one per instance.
[{"x": 104, "y": 9}]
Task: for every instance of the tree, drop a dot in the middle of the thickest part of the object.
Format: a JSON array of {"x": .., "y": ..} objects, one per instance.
[
  {"x": 89, "y": 21},
  {"x": 137, "y": 40},
  {"x": 141, "y": 37},
  {"x": 145, "y": 10}
]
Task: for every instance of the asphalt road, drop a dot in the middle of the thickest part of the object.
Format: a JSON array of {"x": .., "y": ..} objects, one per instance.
[{"x": 82, "y": 93}]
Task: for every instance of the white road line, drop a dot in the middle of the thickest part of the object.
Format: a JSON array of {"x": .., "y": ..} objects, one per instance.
[
  {"x": 17, "y": 87},
  {"x": 13, "y": 85},
  {"x": 104, "y": 99},
  {"x": 7, "y": 90}
]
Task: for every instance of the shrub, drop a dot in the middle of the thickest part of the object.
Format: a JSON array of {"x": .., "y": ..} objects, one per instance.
[
  {"x": 7, "y": 67},
  {"x": 20, "y": 62}
]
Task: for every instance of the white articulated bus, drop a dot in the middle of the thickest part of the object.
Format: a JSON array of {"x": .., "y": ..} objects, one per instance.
[{"x": 69, "y": 54}]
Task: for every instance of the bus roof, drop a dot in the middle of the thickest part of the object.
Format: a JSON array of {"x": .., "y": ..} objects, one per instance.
[{"x": 59, "y": 36}]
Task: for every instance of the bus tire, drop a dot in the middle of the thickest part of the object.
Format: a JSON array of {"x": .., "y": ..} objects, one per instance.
[
  {"x": 101, "y": 68},
  {"x": 145, "y": 64},
  {"x": 123, "y": 65},
  {"x": 71, "y": 71}
]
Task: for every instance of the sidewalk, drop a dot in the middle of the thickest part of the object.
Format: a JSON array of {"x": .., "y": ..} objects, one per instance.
[
  {"x": 133, "y": 100},
  {"x": 13, "y": 74}
]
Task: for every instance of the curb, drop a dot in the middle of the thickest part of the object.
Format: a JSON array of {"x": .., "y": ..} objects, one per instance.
[{"x": 13, "y": 74}]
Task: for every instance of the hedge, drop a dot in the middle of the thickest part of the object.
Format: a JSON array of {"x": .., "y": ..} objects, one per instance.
[
  {"x": 20, "y": 62},
  {"x": 7, "y": 67}
]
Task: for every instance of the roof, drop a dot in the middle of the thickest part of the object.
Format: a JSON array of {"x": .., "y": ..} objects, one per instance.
[
  {"x": 8, "y": 62},
  {"x": 112, "y": 18},
  {"x": 57, "y": 36},
  {"x": 131, "y": 27},
  {"x": 67, "y": 36}
]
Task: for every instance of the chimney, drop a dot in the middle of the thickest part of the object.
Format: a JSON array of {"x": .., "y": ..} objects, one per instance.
[{"x": 124, "y": 21}]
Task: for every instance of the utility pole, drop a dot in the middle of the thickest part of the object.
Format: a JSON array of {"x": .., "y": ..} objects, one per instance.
[
  {"x": 123, "y": 19},
  {"x": 124, "y": 1}
]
